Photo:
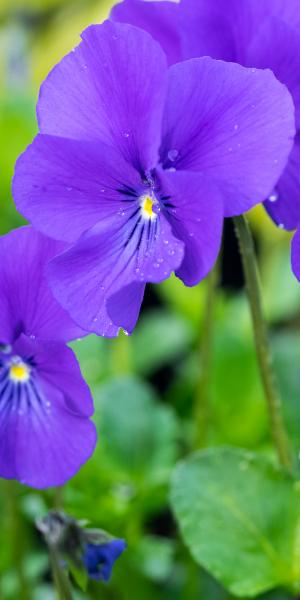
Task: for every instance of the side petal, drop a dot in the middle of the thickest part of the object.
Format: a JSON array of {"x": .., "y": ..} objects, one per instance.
[
  {"x": 107, "y": 259},
  {"x": 283, "y": 204},
  {"x": 295, "y": 256},
  {"x": 196, "y": 216},
  {"x": 160, "y": 19},
  {"x": 57, "y": 365},
  {"x": 277, "y": 47},
  {"x": 111, "y": 88},
  {"x": 233, "y": 124},
  {"x": 27, "y": 304},
  {"x": 66, "y": 186}
]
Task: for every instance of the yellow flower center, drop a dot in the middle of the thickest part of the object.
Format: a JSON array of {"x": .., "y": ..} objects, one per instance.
[
  {"x": 19, "y": 372},
  {"x": 147, "y": 207}
]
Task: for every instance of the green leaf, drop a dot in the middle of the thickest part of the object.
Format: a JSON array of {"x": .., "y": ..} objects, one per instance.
[
  {"x": 138, "y": 435},
  {"x": 240, "y": 517}
]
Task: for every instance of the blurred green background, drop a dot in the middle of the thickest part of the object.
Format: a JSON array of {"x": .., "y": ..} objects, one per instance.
[{"x": 147, "y": 388}]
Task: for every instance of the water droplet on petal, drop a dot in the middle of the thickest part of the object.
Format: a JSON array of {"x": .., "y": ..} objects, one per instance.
[
  {"x": 173, "y": 154},
  {"x": 273, "y": 197}
]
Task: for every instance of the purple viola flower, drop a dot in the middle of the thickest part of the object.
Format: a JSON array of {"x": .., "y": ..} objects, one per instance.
[
  {"x": 254, "y": 33},
  {"x": 99, "y": 559},
  {"x": 45, "y": 405},
  {"x": 135, "y": 162}
]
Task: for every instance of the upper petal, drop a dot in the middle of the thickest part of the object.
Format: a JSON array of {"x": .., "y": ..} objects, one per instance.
[
  {"x": 27, "y": 304},
  {"x": 277, "y": 47},
  {"x": 225, "y": 30},
  {"x": 160, "y": 19},
  {"x": 111, "y": 88},
  {"x": 232, "y": 123}
]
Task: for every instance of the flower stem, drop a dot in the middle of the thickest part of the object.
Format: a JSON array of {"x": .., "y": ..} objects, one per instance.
[
  {"x": 262, "y": 344},
  {"x": 203, "y": 392},
  {"x": 17, "y": 537},
  {"x": 60, "y": 578}
]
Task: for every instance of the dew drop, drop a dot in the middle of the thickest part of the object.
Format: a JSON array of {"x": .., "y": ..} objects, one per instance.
[
  {"x": 281, "y": 226},
  {"x": 173, "y": 154},
  {"x": 171, "y": 170},
  {"x": 166, "y": 242},
  {"x": 126, "y": 134},
  {"x": 156, "y": 265},
  {"x": 171, "y": 252},
  {"x": 273, "y": 197},
  {"x": 236, "y": 127}
]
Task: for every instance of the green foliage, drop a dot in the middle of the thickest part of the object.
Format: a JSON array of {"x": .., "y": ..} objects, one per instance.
[
  {"x": 139, "y": 435},
  {"x": 240, "y": 517}
]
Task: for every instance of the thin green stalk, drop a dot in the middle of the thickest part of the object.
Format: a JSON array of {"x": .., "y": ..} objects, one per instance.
[
  {"x": 60, "y": 578},
  {"x": 262, "y": 344},
  {"x": 58, "y": 498},
  {"x": 203, "y": 391},
  {"x": 121, "y": 355},
  {"x": 16, "y": 537}
]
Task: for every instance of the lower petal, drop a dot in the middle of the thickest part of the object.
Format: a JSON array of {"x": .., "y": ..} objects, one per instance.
[
  {"x": 123, "y": 307},
  {"x": 89, "y": 278},
  {"x": 47, "y": 446}
]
